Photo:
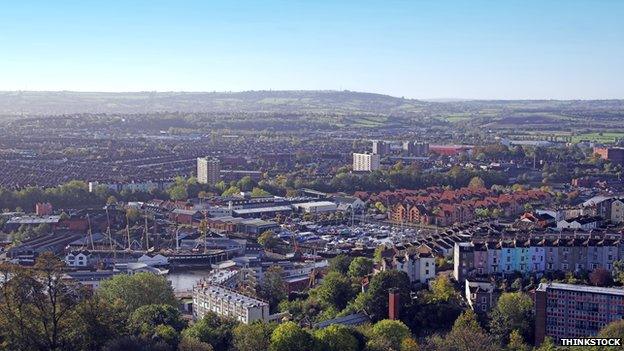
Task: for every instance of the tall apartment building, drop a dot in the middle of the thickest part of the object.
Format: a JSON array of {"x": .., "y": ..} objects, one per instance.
[
  {"x": 415, "y": 148},
  {"x": 381, "y": 147},
  {"x": 365, "y": 162},
  {"x": 227, "y": 303},
  {"x": 208, "y": 170},
  {"x": 575, "y": 311}
]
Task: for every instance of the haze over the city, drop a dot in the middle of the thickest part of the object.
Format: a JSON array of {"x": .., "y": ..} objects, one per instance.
[{"x": 417, "y": 49}]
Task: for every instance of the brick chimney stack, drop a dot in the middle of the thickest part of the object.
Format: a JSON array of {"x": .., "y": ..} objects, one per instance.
[{"x": 394, "y": 302}]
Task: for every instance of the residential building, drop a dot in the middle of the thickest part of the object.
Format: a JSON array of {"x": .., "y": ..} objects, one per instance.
[
  {"x": 365, "y": 162},
  {"x": 77, "y": 258},
  {"x": 415, "y": 148},
  {"x": 418, "y": 264},
  {"x": 381, "y": 147},
  {"x": 585, "y": 223},
  {"x": 480, "y": 295},
  {"x": 228, "y": 303},
  {"x": 575, "y": 311},
  {"x": 463, "y": 260},
  {"x": 43, "y": 209},
  {"x": 613, "y": 154},
  {"x": 90, "y": 279},
  {"x": 535, "y": 254},
  {"x": 208, "y": 170}
]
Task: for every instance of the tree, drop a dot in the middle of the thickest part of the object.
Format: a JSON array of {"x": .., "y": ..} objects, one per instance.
[
  {"x": 600, "y": 277},
  {"x": 441, "y": 289},
  {"x": 259, "y": 192},
  {"x": 268, "y": 240},
  {"x": 145, "y": 319},
  {"x": 360, "y": 267},
  {"x": 409, "y": 344},
  {"x": 380, "y": 207},
  {"x": 547, "y": 345},
  {"x": 335, "y": 290},
  {"x": 516, "y": 342},
  {"x": 213, "y": 330},
  {"x": 134, "y": 291},
  {"x": 132, "y": 214},
  {"x": 252, "y": 337},
  {"x": 164, "y": 334},
  {"x": 233, "y": 190},
  {"x": 336, "y": 337},
  {"x": 388, "y": 335},
  {"x": 37, "y": 306},
  {"x": 378, "y": 254},
  {"x": 476, "y": 182},
  {"x": 514, "y": 311},
  {"x": 290, "y": 337},
  {"x": 95, "y": 323},
  {"x": 375, "y": 300},
  {"x": 273, "y": 287},
  {"x": 613, "y": 330},
  {"x": 111, "y": 200},
  {"x": 340, "y": 264},
  {"x": 245, "y": 183},
  {"x": 191, "y": 344},
  {"x": 466, "y": 335},
  {"x": 177, "y": 192},
  {"x": 618, "y": 271}
]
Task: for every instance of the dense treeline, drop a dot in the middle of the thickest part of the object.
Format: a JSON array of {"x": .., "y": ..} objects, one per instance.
[
  {"x": 39, "y": 310},
  {"x": 397, "y": 177}
]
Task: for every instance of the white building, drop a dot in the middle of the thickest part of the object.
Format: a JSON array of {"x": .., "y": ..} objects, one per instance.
[
  {"x": 77, "y": 258},
  {"x": 228, "y": 303},
  {"x": 365, "y": 162},
  {"x": 316, "y": 206},
  {"x": 208, "y": 170},
  {"x": 153, "y": 260},
  {"x": 419, "y": 264},
  {"x": 585, "y": 223}
]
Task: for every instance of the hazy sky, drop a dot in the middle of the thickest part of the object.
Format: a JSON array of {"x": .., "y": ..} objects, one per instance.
[{"x": 419, "y": 49}]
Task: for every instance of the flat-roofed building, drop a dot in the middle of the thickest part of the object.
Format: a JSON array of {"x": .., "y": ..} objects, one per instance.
[
  {"x": 365, "y": 162},
  {"x": 228, "y": 303},
  {"x": 575, "y": 311},
  {"x": 317, "y": 206},
  {"x": 208, "y": 170}
]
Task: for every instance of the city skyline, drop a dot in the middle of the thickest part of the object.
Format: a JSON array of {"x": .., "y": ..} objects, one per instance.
[{"x": 421, "y": 49}]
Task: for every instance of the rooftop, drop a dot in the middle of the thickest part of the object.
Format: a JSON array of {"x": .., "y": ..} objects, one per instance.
[
  {"x": 581, "y": 288},
  {"x": 227, "y": 294},
  {"x": 262, "y": 209}
]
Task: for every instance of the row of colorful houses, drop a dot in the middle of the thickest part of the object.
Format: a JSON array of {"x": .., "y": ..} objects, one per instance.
[{"x": 536, "y": 255}]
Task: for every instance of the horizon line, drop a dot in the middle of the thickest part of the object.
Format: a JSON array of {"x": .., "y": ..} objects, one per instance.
[{"x": 429, "y": 99}]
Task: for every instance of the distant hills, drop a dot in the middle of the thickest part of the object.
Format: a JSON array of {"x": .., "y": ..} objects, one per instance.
[
  {"x": 329, "y": 108},
  {"x": 334, "y": 102}
]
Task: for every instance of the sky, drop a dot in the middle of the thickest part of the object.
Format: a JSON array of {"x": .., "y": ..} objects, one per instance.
[{"x": 424, "y": 49}]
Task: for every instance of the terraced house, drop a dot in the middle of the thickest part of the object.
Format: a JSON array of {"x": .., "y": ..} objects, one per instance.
[
  {"x": 536, "y": 254},
  {"x": 445, "y": 207}
]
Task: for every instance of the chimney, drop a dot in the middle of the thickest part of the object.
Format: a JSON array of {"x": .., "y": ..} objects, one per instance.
[{"x": 393, "y": 304}]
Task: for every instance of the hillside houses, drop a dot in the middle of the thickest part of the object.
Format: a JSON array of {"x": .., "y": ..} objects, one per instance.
[
  {"x": 445, "y": 207},
  {"x": 535, "y": 254}
]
